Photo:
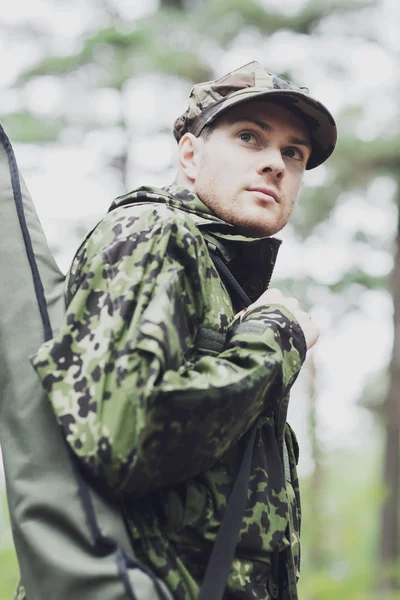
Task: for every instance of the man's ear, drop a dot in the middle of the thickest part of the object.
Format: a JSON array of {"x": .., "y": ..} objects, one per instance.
[{"x": 190, "y": 151}]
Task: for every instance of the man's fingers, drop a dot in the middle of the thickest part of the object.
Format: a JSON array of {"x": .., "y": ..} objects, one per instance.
[
  {"x": 274, "y": 296},
  {"x": 310, "y": 329}
]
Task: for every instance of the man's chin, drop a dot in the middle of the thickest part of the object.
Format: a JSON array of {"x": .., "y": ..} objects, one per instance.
[{"x": 258, "y": 230}]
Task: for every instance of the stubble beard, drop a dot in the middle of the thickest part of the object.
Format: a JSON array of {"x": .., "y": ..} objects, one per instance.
[{"x": 240, "y": 219}]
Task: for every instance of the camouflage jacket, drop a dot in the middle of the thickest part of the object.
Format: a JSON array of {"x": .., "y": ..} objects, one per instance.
[{"x": 154, "y": 383}]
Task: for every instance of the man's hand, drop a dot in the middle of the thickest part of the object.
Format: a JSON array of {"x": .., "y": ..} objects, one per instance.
[{"x": 273, "y": 296}]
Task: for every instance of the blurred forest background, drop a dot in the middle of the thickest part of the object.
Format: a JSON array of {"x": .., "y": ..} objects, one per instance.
[{"x": 89, "y": 92}]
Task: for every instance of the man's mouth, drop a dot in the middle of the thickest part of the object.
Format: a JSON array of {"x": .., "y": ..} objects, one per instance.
[{"x": 266, "y": 193}]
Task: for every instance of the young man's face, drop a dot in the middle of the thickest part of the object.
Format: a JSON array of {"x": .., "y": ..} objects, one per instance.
[{"x": 249, "y": 172}]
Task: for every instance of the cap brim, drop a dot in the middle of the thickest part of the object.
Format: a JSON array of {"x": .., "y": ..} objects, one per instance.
[{"x": 319, "y": 121}]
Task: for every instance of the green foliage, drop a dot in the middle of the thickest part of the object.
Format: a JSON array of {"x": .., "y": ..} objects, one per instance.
[
  {"x": 115, "y": 37},
  {"x": 356, "y": 277},
  {"x": 92, "y": 50},
  {"x": 9, "y": 567},
  {"x": 225, "y": 19},
  {"x": 347, "y": 524},
  {"x": 26, "y": 127},
  {"x": 316, "y": 11},
  {"x": 315, "y": 207},
  {"x": 169, "y": 40},
  {"x": 357, "y": 162},
  {"x": 51, "y": 65},
  {"x": 115, "y": 55},
  {"x": 9, "y": 573}
]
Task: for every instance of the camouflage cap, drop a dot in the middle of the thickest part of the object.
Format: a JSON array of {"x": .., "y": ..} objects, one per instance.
[{"x": 207, "y": 101}]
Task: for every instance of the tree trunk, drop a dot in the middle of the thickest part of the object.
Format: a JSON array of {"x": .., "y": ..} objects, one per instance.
[{"x": 389, "y": 542}]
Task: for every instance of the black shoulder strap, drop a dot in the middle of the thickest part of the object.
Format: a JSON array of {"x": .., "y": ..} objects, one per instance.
[
  {"x": 235, "y": 290},
  {"x": 223, "y": 552}
]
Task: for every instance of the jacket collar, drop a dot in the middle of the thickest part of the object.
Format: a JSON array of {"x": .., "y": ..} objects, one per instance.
[{"x": 251, "y": 260}]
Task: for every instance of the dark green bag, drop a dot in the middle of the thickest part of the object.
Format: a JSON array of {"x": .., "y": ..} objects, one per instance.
[{"x": 70, "y": 542}]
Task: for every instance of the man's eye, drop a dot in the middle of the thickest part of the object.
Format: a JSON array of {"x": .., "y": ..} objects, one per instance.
[
  {"x": 248, "y": 137},
  {"x": 294, "y": 153}
]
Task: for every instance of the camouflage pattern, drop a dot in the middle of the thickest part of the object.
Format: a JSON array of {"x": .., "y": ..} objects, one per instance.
[
  {"x": 154, "y": 382},
  {"x": 207, "y": 101}
]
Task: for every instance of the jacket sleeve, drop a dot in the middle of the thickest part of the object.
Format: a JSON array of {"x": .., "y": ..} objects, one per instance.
[{"x": 137, "y": 405}]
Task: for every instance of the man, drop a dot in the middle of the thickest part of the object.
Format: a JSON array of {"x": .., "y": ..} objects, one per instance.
[{"x": 157, "y": 374}]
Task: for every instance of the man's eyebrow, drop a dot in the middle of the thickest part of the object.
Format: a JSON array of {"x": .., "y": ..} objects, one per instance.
[
  {"x": 263, "y": 125},
  {"x": 300, "y": 142}
]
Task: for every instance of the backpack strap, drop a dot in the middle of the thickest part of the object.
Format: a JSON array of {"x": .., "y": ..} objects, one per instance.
[
  {"x": 223, "y": 552},
  {"x": 241, "y": 299}
]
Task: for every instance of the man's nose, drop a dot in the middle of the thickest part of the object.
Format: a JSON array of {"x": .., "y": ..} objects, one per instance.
[{"x": 272, "y": 162}]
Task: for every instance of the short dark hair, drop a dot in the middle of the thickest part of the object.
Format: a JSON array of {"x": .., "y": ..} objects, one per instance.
[{"x": 207, "y": 130}]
